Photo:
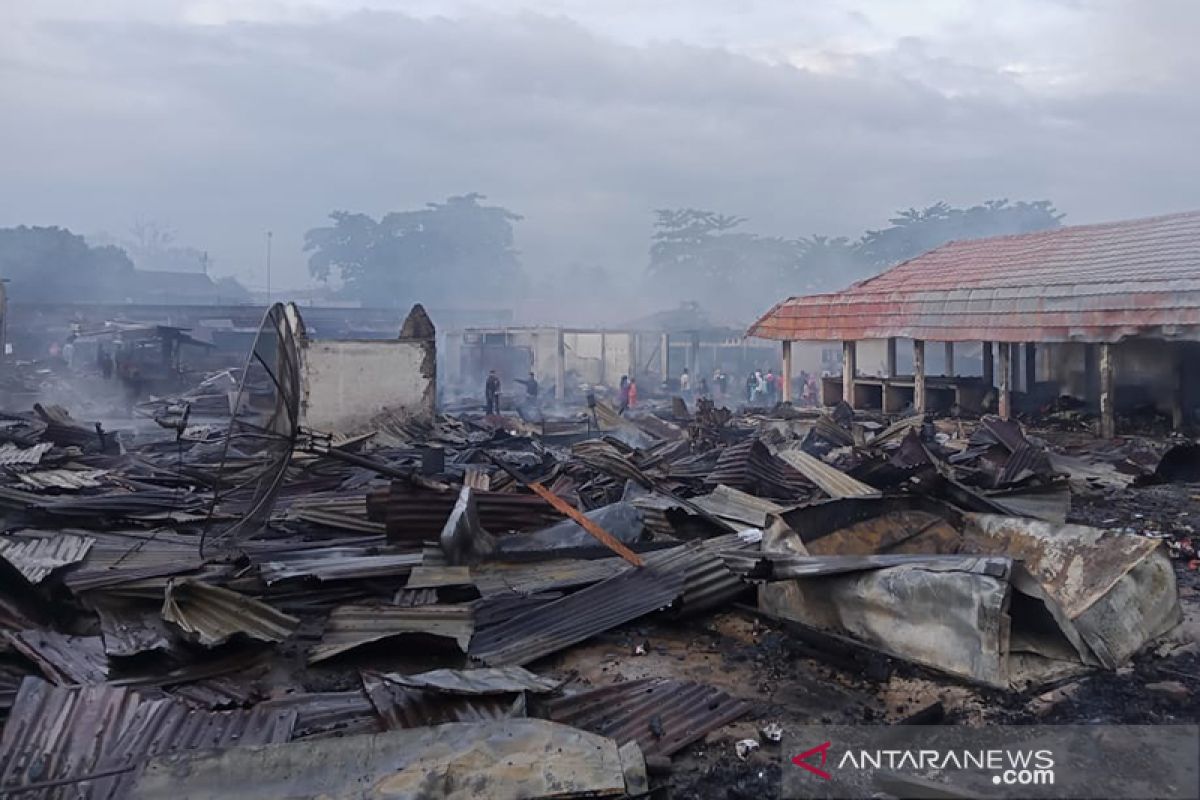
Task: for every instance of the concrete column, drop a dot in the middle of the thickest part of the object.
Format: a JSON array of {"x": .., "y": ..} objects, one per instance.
[
  {"x": 988, "y": 379},
  {"x": 949, "y": 370},
  {"x": 919, "y": 375},
  {"x": 786, "y": 374},
  {"x": 1005, "y": 389},
  {"x": 849, "y": 359},
  {"x": 1014, "y": 362},
  {"x": 694, "y": 358},
  {"x": 560, "y": 365},
  {"x": 1108, "y": 414},
  {"x": 1030, "y": 365},
  {"x": 891, "y": 357},
  {"x": 664, "y": 355},
  {"x": 603, "y": 358},
  {"x": 634, "y": 340}
]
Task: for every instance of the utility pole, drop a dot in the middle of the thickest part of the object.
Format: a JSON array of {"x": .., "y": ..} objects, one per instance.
[{"x": 268, "y": 268}]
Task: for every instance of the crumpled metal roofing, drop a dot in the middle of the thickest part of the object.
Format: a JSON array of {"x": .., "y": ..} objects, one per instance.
[
  {"x": 69, "y": 479},
  {"x": 58, "y": 733},
  {"x": 738, "y": 506},
  {"x": 352, "y": 626},
  {"x": 61, "y": 658},
  {"x": 1088, "y": 283},
  {"x": 337, "y": 563},
  {"x": 488, "y": 680},
  {"x": 684, "y": 712},
  {"x": 830, "y": 480},
  {"x": 407, "y": 707},
  {"x": 323, "y": 714},
  {"x": 213, "y": 615},
  {"x": 750, "y": 467},
  {"x": 121, "y": 557},
  {"x": 415, "y": 514},
  {"x": 577, "y": 617},
  {"x": 129, "y": 628},
  {"x": 37, "y": 556},
  {"x": 13, "y": 455}
]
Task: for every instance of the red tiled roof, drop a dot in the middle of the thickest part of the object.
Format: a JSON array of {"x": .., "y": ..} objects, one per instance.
[{"x": 1092, "y": 283}]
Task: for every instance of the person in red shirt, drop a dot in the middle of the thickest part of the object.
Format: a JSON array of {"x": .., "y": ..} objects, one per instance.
[{"x": 632, "y": 392}]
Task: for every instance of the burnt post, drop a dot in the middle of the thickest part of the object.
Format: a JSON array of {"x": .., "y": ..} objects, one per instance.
[
  {"x": 949, "y": 370},
  {"x": 1108, "y": 416},
  {"x": 1030, "y": 366},
  {"x": 560, "y": 365},
  {"x": 891, "y": 357},
  {"x": 919, "y": 375},
  {"x": 988, "y": 379},
  {"x": 787, "y": 371},
  {"x": 1005, "y": 388},
  {"x": 849, "y": 357}
]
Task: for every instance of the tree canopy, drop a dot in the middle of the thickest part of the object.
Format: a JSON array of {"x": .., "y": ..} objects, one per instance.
[
  {"x": 53, "y": 264},
  {"x": 433, "y": 255}
]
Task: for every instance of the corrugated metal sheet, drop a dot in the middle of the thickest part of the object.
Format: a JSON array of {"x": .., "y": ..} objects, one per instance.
[
  {"x": 120, "y": 557},
  {"x": 417, "y": 515},
  {"x": 353, "y": 626},
  {"x": 213, "y": 615},
  {"x": 66, "y": 479},
  {"x": 577, "y": 617},
  {"x": 36, "y": 557},
  {"x": 750, "y": 467},
  {"x": 323, "y": 714},
  {"x": 57, "y": 733},
  {"x": 129, "y": 628},
  {"x": 424, "y": 577},
  {"x": 405, "y": 707},
  {"x": 1090, "y": 283},
  {"x": 489, "y": 680},
  {"x": 543, "y": 576},
  {"x": 61, "y": 658},
  {"x": 11, "y": 455},
  {"x": 831, "y": 480},
  {"x": 682, "y": 712},
  {"x": 738, "y": 506},
  {"x": 337, "y": 563},
  {"x": 603, "y": 456}
]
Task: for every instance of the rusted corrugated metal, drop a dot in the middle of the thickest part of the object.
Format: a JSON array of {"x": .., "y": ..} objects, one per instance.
[
  {"x": 121, "y": 557},
  {"x": 750, "y": 467},
  {"x": 1086, "y": 283},
  {"x": 406, "y": 707},
  {"x": 36, "y": 556},
  {"x": 414, "y": 514},
  {"x": 61, "y": 658},
  {"x": 488, "y": 680},
  {"x": 831, "y": 480},
  {"x": 577, "y": 617},
  {"x": 352, "y": 626},
  {"x": 663, "y": 716},
  {"x": 63, "y": 733},
  {"x": 323, "y": 714},
  {"x": 212, "y": 615}
]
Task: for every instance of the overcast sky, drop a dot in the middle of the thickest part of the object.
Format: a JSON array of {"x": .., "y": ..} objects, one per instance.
[{"x": 226, "y": 118}]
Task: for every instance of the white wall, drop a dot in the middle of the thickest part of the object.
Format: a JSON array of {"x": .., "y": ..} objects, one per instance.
[{"x": 347, "y": 384}]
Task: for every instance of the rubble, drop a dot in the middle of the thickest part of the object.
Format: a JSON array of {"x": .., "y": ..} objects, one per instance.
[{"x": 349, "y": 612}]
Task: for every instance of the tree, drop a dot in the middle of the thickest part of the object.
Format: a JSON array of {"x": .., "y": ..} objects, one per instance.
[
  {"x": 444, "y": 253},
  {"x": 53, "y": 264},
  {"x": 914, "y": 232}
]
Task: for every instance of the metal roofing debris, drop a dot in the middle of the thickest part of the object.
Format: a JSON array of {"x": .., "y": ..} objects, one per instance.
[
  {"x": 121, "y": 557},
  {"x": 351, "y": 626},
  {"x": 738, "y": 506},
  {"x": 831, "y": 480},
  {"x": 501, "y": 759},
  {"x": 406, "y": 707},
  {"x": 36, "y": 557},
  {"x": 66, "y": 479},
  {"x": 750, "y": 467},
  {"x": 663, "y": 716},
  {"x": 212, "y": 615},
  {"x": 415, "y": 514},
  {"x": 1089, "y": 283},
  {"x": 488, "y": 680},
  {"x": 129, "y": 628},
  {"x": 577, "y": 617},
  {"x": 432, "y": 577},
  {"x": 785, "y": 566},
  {"x": 61, "y": 658},
  {"x": 323, "y": 714},
  {"x": 11, "y": 455},
  {"x": 93, "y": 740},
  {"x": 337, "y": 563}
]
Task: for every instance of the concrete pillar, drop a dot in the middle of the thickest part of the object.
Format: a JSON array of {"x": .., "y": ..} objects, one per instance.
[
  {"x": 694, "y": 358},
  {"x": 603, "y": 358},
  {"x": 891, "y": 357},
  {"x": 664, "y": 356},
  {"x": 1014, "y": 362},
  {"x": 786, "y": 373},
  {"x": 560, "y": 365},
  {"x": 1030, "y": 365},
  {"x": 988, "y": 379},
  {"x": 634, "y": 341},
  {"x": 919, "y": 375},
  {"x": 949, "y": 370},
  {"x": 1005, "y": 389},
  {"x": 1108, "y": 413},
  {"x": 849, "y": 357}
]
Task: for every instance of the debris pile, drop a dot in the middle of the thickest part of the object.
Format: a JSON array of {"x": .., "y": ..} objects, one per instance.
[{"x": 252, "y": 609}]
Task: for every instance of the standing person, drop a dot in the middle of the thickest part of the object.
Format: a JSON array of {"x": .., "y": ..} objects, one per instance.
[
  {"x": 531, "y": 386},
  {"x": 760, "y": 386},
  {"x": 723, "y": 383},
  {"x": 685, "y": 382},
  {"x": 751, "y": 385},
  {"x": 632, "y": 393},
  {"x": 491, "y": 392},
  {"x": 772, "y": 387},
  {"x": 703, "y": 386},
  {"x": 623, "y": 394}
]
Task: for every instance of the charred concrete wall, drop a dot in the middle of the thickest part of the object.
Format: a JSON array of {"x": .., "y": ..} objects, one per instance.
[{"x": 348, "y": 385}]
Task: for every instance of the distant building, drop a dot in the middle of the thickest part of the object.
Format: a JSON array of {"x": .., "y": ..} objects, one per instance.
[{"x": 151, "y": 287}]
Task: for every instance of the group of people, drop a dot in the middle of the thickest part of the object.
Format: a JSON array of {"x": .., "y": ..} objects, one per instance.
[{"x": 491, "y": 390}]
